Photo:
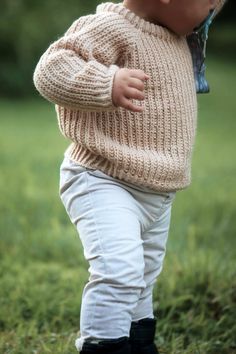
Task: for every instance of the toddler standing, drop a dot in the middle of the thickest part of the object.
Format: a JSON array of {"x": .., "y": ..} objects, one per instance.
[{"x": 124, "y": 84}]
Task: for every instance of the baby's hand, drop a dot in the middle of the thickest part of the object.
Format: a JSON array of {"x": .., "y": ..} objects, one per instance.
[{"x": 128, "y": 83}]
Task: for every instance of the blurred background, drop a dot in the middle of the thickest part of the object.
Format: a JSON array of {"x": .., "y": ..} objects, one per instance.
[{"x": 43, "y": 271}]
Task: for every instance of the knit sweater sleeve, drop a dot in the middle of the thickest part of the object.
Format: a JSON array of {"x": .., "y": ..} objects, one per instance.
[{"x": 77, "y": 70}]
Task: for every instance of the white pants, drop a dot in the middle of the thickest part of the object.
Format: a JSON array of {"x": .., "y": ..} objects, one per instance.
[{"x": 123, "y": 229}]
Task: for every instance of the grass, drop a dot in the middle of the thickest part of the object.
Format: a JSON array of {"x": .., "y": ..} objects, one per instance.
[{"x": 43, "y": 270}]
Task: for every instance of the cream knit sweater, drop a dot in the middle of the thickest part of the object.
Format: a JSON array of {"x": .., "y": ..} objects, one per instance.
[{"x": 152, "y": 148}]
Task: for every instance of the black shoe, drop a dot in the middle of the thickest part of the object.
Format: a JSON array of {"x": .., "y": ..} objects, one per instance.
[
  {"x": 142, "y": 334},
  {"x": 107, "y": 346}
]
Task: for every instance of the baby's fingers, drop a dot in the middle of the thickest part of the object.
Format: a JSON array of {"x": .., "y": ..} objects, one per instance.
[
  {"x": 134, "y": 93},
  {"x": 127, "y": 104},
  {"x": 136, "y": 83},
  {"x": 138, "y": 74}
]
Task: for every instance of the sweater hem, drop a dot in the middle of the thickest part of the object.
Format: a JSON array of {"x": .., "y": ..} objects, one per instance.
[{"x": 100, "y": 165}]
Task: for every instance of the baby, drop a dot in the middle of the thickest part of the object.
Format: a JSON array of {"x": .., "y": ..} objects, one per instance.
[{"x": 124, "y": 82}]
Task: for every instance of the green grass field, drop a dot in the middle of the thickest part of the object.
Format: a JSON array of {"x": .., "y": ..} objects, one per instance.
[{"x": 42, "y": 266}]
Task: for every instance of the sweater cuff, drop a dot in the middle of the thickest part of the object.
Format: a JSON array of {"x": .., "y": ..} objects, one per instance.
[{"x": 102, "y": 100}]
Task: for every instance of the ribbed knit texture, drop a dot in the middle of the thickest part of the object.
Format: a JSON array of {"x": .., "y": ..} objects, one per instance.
[{"x": 152, "y": 148}]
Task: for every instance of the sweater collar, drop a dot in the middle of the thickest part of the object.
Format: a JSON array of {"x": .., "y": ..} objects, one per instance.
[{"x": 138, "y": 22}]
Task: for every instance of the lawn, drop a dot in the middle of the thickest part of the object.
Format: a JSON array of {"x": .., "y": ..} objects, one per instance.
[{"x": 42, "y": 266}]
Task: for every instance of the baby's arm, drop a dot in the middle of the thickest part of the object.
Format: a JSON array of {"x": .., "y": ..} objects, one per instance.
[{"x": 78, "y": 70}]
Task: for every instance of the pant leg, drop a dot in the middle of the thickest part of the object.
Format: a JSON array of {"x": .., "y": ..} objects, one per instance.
[
  {"x": 106, "y": 218},
  {"x": 154, "y": 243}
]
